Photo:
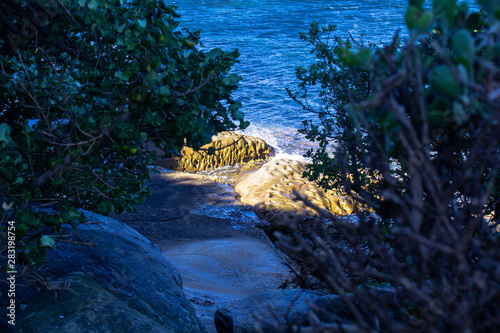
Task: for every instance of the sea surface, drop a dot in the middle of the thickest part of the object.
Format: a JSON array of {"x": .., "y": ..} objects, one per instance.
[{"x": 266, "y": 33}]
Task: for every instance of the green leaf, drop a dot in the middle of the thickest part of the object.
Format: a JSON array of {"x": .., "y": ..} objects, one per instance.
[
  {"x": 459, "y": 114},
  {"x": 19, "y": 181},
  {"x": 6, "y": 207},
  {"x": 244, "y": 124},
  {"x": 443, "y": 80},
  {"x": 439, "y": 6},
  {"x": 74, "y": 214},
  {"x": 105, "y": 207},
  {"x": 47, "y": 241},
  {"x": 215, "y": 53},
  {"x": 124, "y": 76},
  {"x": 231, "y": 80},
  {"x": 364, "y": 56},
  {"x": 22, "y": 229},
  {"x": 164, "y": 91},
  {"x": 235, "y": 106},
  {"x": 93, "y": 4},
  {"x": 142, "y": 23},
  {"x": 237, "y": 115},
  {"x": 346, "y": 57},
  {"x": 412, "y": 16},
  {"x": 5, "y": 135},
  {"x": 424, "y": 21},
  {"x": 463, "y": 42},
  {"x": 474, "y": 21}
]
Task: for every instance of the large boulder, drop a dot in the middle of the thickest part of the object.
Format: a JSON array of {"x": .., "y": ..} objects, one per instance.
[
  {"x": 84, "y": 306},
  {"x": 226, "y": 149},
  {"x": 118, "y": 280},
  {"x": 270, "y": 190}
]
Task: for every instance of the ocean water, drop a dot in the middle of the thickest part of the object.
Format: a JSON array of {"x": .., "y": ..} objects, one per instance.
[{"x": 266, "y": 33}]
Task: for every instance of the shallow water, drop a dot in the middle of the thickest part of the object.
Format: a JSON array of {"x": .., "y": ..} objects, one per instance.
[{"x": 266, "y": 33}]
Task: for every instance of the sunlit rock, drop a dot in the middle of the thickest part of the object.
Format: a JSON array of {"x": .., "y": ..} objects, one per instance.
[
  {"x": 226, "y": 148},
  {"x": 270, "y": 190}
]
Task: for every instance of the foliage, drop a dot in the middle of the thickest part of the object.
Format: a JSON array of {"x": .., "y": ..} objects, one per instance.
[
  {"x": 84, "y": 85},
  {"x": 415, "y": 131}
]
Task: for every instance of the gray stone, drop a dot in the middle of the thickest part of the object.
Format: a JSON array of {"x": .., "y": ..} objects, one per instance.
[
  {"x": 85, "y": 306},
  {"x": 128, "y": 267}
]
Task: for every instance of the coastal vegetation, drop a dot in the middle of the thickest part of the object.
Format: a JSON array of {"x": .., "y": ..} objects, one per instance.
[
  {"x": 404, "y": 237},
  {"x": 83, "y": 86},
  {"x": 414, "y": 129}
]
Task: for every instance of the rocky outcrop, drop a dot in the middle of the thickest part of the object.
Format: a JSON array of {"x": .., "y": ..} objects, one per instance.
[
  {"x": 270, "y": 190},
  {"x": 226, "y": 148},
  {"x": 119, "y": 283}
]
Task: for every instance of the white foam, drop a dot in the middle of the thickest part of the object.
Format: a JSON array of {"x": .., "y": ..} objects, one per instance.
[
  {"x": 287, "y": 142},
  {"x": 281, "y": 156}
]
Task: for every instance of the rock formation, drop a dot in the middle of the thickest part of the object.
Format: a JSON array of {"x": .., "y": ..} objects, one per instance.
[
  {"x": 270, "y": 190},
  {"x": 121, "y": 283},
  {"x": 226, "y": 148}
]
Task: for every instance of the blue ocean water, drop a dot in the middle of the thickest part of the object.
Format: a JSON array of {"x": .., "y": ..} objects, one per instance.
[{"x": 266, "y": 33}]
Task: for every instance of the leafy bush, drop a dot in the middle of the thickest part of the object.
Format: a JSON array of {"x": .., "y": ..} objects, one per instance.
[
  {"x": 415, "y": 130},
  {"x": 83, "y": 86}
]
